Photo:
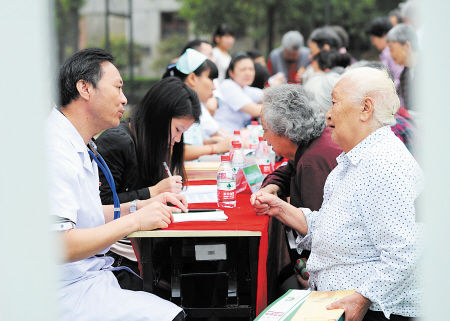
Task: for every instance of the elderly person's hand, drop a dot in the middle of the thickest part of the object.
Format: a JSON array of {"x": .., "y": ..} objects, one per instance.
[
  {"x": 261, "y": 209},
  {"x": 354, "y": 305},
  {"x": 266, "y": 204},
  {"x": 271, "y": 189},
  {"x": 269, "y": 204}
]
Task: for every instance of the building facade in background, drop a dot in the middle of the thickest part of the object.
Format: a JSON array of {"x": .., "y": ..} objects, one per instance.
[{"x": 153, "y": 22}]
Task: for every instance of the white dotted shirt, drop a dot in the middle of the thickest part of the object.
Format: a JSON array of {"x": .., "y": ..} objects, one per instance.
[{"x": 364, "y": 237}]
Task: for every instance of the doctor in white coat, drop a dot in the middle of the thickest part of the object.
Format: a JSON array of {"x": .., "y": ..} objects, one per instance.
[{"x": 92, "y": 100}]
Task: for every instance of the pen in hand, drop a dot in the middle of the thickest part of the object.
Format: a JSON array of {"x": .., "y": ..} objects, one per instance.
[
  {"x": 167, "y": 169},
  {"x": 202, "y": 210}
]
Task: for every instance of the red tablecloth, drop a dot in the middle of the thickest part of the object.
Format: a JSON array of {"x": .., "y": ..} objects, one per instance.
[{"x": 240, "y": 218}]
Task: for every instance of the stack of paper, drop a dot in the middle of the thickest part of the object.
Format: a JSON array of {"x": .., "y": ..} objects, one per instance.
[
  {"x": 305, "y": 305},
  {"x": 202, "y": 216},
  {"x": 200, "y": 194},
  {"x": 284, "y": 308},
  {"x": 201, "y": 170}
]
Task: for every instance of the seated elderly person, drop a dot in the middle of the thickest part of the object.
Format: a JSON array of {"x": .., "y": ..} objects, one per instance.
[
  {"x": 296, "y": 129},
  {"x": 405, "y": 127},
  {"x": 404, "y": 47},
  {"x": 295, "y": 126},
  {"x": 289, "y": 57},
  {"x": 364, "y": 235}
]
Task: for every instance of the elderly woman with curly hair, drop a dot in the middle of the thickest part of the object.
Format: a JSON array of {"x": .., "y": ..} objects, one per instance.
[{"x": 294, "y": 125}]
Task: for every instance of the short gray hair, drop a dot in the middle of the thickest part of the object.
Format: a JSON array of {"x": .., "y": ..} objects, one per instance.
[
  {"x": 292, "y": 40},
  {"x": 402, "y": 33},
  {"x": 376, "y": 84},
  {"x": 288, "y": 112},
  {"x": 408, "y": 10},
  {"x": 319, "y": 87}
]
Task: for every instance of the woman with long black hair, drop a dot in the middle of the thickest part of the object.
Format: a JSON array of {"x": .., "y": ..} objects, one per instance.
[{"x": 136, "y": 149}]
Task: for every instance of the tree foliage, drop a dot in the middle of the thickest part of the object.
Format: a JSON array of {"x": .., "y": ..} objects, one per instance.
[
  {"x": 66, "y": 22},
  {"x": 253, "y": 17},
  {"x": 167, "y": 50},
  {"x": 120, "y": 49}
]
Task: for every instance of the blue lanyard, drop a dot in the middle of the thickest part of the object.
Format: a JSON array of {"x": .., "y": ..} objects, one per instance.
[{"x": 102, "y": 165}]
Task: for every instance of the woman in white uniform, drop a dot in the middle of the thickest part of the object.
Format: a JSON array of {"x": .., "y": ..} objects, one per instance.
[
  {"x": 198, "y": 72},
  {"x": 239, "y": 102},
  {"x": 92, "y": 100}
]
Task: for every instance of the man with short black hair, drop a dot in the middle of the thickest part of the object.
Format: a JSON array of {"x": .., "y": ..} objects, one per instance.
[{"x": 91, "y": 100}]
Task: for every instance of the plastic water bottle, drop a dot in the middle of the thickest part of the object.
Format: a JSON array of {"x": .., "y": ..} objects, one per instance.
[
  {"x": 262, "y": 156},
  {"x": 237, "y": 136},
  {"x": 233, "y": 148},
  {"x": 238, "y": 160},
  {"x": 254, "y": 134},
  {"x": 226, "y": 184},
  {"x": 272, "y": 157}
]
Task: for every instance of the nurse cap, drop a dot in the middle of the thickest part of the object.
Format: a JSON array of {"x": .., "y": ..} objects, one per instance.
[{"x": 190, "y": 61}]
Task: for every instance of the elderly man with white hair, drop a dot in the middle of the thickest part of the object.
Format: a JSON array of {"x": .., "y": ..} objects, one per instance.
[
  {"x": 364, "y": 235},
  {"x": 289, "y": 57}
]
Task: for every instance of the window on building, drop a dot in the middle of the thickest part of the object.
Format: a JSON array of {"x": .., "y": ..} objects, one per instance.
[{"x": 171, "y": 25}]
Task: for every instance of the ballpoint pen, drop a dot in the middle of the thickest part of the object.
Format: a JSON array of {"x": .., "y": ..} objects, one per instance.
[
  {"x": 200, "y": 210},
  {"x": 167, "y": 169}
]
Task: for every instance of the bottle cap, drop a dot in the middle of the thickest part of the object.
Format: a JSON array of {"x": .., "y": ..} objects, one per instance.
[
  {"x": 236, "y": 144},
  {"x": 224, "y": 158},
  {"x": 260, "y": 138},
  {"x": 236, "y": 132},
  {"x": 254, "y": 122}
]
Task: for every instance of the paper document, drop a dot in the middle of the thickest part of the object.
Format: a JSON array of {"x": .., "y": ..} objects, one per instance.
[
  {"x": 285, "y": 307},
  {"x": 200, "y": 194},
  {"x": 202, "y": 216}
]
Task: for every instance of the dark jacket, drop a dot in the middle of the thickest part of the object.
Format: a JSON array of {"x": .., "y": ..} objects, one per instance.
[{"x": 117, "y": 147}]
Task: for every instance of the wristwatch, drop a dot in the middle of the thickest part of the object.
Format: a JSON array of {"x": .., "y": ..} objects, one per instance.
[{"x": 133, "y": 206}]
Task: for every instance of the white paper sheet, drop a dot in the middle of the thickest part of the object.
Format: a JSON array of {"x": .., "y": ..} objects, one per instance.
[
  {"x": 200, "y": 194},
  {"x": 202, "y": 216}
]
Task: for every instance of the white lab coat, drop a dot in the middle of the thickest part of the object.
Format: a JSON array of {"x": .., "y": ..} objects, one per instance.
[{"x": 88, "y": 290}]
